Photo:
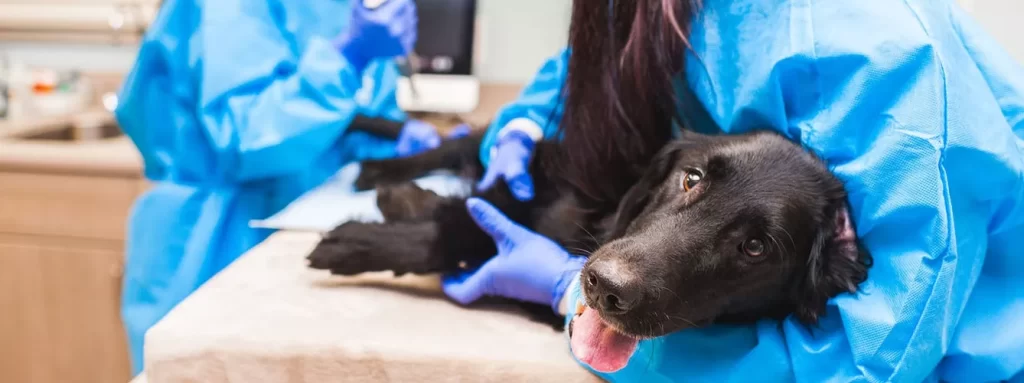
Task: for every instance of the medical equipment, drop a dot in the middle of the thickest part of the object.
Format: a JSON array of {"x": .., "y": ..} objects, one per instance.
[
  {"x": 5, "y": 93},
  {"x": 408, "y": 70},
  {"x": 406, "y": 66},
  {"x": 445, "y": 50}
]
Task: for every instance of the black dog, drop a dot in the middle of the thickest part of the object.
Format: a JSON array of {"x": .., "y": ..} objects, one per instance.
[{"x": 720, "y": 229}]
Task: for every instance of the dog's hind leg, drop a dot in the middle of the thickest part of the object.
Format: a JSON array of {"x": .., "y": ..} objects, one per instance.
[
  {"x": 458, "y": 155},
  {"x": 407, "y": 202}
]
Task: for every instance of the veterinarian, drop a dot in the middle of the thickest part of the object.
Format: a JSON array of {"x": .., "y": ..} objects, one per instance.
[
  {"x": 915, "y": 107},
  {"x": 237, "y": 108}
]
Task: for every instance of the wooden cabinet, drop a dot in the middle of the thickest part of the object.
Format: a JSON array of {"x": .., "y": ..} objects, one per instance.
[
  {"x": 61, "y": 319},
  {"x": 61, "y": 260}
]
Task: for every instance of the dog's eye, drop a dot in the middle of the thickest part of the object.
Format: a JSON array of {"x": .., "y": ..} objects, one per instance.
[
  {"x": 690, "y": 179},
  {"x": 753, "y": 247}
]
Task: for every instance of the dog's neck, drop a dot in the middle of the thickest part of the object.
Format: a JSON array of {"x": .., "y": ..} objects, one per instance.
[{"x": 778, "y": 310}]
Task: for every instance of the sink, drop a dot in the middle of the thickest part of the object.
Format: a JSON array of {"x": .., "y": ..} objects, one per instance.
[
  {"x": 72, "y": 132},
  {"x": 75, "y": 128}
]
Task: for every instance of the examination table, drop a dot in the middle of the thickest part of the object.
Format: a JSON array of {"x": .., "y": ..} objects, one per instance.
[{"x": 268, "y": 318}]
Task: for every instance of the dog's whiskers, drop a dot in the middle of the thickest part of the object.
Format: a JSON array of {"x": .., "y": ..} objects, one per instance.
[
  {"x": 776, "y": 244},
  {"x": 583, "y": 252},
  {"x": 679, "y": 298},
  {"x": 596, "y": 242},
  {"x": 687, "y": 321},
  {"x": 792, "y": 243}
]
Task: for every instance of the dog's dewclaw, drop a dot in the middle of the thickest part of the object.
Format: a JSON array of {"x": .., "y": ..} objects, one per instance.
[{"x": 579, "y": 307}]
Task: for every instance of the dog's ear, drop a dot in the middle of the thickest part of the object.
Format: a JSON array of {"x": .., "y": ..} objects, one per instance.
[
  {"x": 837, "y": 263},
  {"x": 639, "y": 195}
]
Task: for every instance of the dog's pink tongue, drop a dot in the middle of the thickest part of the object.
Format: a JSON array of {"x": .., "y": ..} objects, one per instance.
[{"x": 599, "y": 346}]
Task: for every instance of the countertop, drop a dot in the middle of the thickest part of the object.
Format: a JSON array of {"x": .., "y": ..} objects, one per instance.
[
  {"x": 113, "y": 157},
  {"x": 117, "y": 157}
]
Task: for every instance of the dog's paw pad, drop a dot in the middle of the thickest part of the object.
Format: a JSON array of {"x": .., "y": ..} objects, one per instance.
[{"x": 344, "y": 250}]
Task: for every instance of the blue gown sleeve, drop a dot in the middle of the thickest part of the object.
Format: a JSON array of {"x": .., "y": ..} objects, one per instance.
[
  {"x": 269, "y": 109},
  {"x": 538, "y": 109},
  {"x": 920, "y": 126},
  {"x": 228, "y": 92}
]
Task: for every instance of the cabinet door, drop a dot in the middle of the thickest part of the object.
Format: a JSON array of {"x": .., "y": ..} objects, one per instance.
[{"x": 60, "y": 317}]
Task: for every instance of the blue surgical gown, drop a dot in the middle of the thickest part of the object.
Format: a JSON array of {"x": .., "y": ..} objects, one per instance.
[
  {"x": 921, "y": 114},
  {"x": 237, "y": 107}
]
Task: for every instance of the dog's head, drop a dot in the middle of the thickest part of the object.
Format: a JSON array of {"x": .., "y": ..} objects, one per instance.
[{"x": 722, "y": 228}]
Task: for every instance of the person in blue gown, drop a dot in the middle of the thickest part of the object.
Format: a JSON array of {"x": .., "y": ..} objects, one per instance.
[
  {"x": 237, "y": 108},
  {"x": 915, "y": 107}
]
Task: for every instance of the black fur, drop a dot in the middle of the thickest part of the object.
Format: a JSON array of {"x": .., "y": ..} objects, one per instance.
[{"x": 665, "y": 260}]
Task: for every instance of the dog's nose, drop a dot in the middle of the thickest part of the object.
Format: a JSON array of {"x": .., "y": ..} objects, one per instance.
[{"x": 614, "y": 290}]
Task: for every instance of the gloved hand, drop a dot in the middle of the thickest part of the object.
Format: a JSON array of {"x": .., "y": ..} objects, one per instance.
[
  {"x": 528, "y": 266},
  {"x": 418, "y": 136},
  {"x": 383, "y": 32},
  {"x": 511, "y": 162}
]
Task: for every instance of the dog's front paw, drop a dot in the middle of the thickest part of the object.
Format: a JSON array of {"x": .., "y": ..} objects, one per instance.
[{"x": 346, "y": 250}]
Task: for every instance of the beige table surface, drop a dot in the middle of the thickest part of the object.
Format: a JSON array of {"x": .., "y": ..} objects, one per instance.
[{"x": 267, "y": 318}]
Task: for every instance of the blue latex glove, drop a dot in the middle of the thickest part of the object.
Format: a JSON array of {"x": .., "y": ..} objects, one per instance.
[
  {"x": 418, "y": 136},
  {"x": 383, "y": 32},
  {"x": 511, "y": 161},
  {"x": 528, "y": 266}
]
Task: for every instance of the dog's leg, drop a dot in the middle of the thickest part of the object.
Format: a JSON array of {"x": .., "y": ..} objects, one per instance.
[
  {"x": 406, "y": 202},
  {"x": 449, "y": 242},
  {"x": 459, "y": 155},
  {"x": 357, "y": 247},
  {"x": 381, "y": 127}
]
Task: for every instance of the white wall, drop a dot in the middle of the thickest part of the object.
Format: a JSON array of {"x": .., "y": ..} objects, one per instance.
[
  {"x": 518, "y": 35},
  {"x": 1004, "y": 19}
]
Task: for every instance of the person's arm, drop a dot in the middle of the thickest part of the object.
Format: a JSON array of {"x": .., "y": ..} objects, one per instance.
[
  {"x": 269, "y": 110},
  {"x": 536, "y": 112},
  {"x": 888, "y": 120},
  {"x": 508, "y": 144}
]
